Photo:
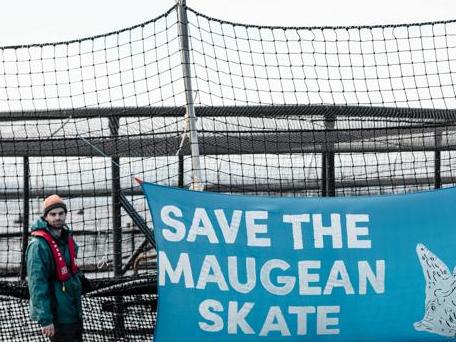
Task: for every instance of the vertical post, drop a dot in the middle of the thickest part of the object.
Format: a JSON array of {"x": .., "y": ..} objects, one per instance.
[
  {"x": 25, "y": 214},
  {"x": 329, "y": 160},
  {"x": 197, "y": 183},
  {"x": 115, "y": 205},
  {"x": 119, "y": 322},
  {"x": 330, "y": 175},
  {"x": 324, "y": 181},
  {"x": 180, "y": 175},
  {"x": 132, "y": 237},
  {"x": 437, "y": 159},
  {"x": 116, "y": 217}
]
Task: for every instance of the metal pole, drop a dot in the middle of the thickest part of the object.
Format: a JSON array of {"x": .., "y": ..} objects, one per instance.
[
  {"x": 115, "y": 205},
  {"x": 324, "y": 180},
  {"x": 330, "y": 175},
  {"x": 119, "y": 321},
  {"x": 330, "y": 123},
  {"x": 437, "y": 159},
  {"x": 25, "y": 215},
  {"x": 180, "y": 181},
  {"x": 116, "y": 217},
  {"x": 197, "y": 183}
]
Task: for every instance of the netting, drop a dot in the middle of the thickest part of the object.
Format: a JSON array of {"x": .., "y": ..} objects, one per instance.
[{"x": 280, "y": 111}]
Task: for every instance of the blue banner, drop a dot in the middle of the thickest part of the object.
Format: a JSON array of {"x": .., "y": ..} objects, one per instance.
[{"x": 245, "y": 268}]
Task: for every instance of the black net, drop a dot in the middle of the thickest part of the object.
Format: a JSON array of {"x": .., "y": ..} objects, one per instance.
[{"x": 280, "y": 111}]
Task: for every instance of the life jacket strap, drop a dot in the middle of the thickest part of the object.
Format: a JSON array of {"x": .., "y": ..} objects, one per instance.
[{"x": 62, "y": 271}]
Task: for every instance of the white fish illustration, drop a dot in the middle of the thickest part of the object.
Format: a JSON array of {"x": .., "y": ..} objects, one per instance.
[{"x": 440, "y": 304}]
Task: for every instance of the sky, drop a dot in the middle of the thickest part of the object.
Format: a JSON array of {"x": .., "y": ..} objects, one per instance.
[{"x": 31, "y": 21}]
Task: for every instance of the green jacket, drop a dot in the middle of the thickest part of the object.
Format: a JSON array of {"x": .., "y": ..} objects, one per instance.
[{"x": 50, "y": 301}]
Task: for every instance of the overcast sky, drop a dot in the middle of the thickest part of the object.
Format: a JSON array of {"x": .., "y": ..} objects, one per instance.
[{"x": 32, "y": 21}]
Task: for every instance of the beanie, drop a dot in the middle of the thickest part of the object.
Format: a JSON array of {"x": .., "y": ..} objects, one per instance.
[{"x": 52, "y": 202}]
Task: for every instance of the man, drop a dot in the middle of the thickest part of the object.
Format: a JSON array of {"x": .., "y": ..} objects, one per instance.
[{"x": 53, "y": 277}]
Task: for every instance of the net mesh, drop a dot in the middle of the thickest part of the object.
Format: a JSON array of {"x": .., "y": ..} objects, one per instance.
[{"x": 281, "y": 111}]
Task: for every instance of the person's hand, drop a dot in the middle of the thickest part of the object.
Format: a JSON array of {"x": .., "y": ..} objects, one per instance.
[{"x": 48, "y": 330}]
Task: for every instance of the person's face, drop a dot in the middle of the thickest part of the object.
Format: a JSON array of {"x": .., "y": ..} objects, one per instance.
[{"x": 56, "y": 217}]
